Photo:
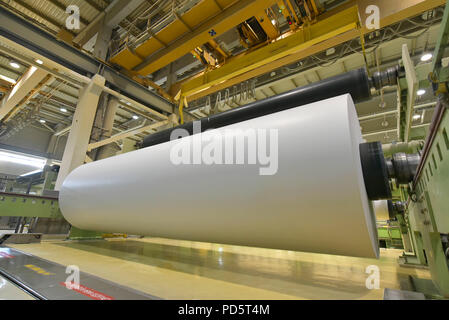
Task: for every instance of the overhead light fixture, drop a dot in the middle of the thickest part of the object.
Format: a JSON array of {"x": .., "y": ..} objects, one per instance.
[
  {"x": 420, "y": 92},
  {"x": 63, "y": 110},
  {"x": 39, "y": 61},
  {"x": 42, "y": 121},
  {"x": 22, "y": 159},
  {"x": 416, "y": 117},
  {"x": 128, "y": 103},
  {"x": 330, "y": 51},
  {"x": 12, "y": 81},
  {"x": 135, "y": 117},
  {"x": 426, "y": 57},
  {"x": 14, "y": 64},
  {"x": 273, "y": 22}
]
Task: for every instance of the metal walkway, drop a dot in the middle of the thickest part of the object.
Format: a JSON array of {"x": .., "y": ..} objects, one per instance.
[{"x": 47, "y": 280}]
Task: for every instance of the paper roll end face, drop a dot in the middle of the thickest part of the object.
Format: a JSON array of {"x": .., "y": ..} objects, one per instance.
[{"x": 357, "y": 139}]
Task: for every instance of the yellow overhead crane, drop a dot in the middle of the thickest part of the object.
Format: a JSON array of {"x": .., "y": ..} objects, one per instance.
[
  {"x": 194, "y": 28},
  {"x": 311, "y": 32},
  {"x": 200, "y": 24},
  {"x": 334, "y": 25},
  {"x": 212, "y": 81},
  {"x": 212, "y": 56}
]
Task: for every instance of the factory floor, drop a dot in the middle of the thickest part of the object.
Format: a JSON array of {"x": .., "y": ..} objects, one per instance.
[{"x": 173, "y": 269}]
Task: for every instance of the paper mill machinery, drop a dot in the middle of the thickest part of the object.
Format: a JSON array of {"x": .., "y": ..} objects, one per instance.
[
  {"x": 420, "y": 215},
  {"x": 413, "y": 177}
]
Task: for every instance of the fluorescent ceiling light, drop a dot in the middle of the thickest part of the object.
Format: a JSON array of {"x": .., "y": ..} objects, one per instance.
[
  {"x": 330, "y": 51},
  {"x": 14, "y": 64},
  {"x": 42, "y": 121},
  {"x": 135, "y": 117},
  {"x": 12, "y": 81},
  {"x": 63, "y": 110},
  {"x": 39, "y": 61},
  {"x": 420, "y": 92},
  {"x": 426, "y": 57},
  {"x": 22, "y": 159},
  {"x": 416, "y": 117}
]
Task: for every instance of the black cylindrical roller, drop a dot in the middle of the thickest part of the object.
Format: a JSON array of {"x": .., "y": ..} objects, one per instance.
[{"x": 354, "y": 82}]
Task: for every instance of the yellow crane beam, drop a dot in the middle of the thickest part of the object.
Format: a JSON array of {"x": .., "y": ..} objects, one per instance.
[
  {"x": 304, "y": 38},
  {"x": 390, "y": 13}
]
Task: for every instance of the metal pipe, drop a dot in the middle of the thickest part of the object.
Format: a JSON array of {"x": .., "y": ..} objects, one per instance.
[
  {"x": 407, "y": 147},
  {"x": 393, "y": 130},
  {"x": 377, "y": 115},
  {"x": 356, "y": 83},
  {"x": 424, "y": 106}
]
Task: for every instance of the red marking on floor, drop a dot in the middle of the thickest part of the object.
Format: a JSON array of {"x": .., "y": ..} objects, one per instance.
[
  {"x": 6, "y": 255},
  {"x": 88, "y": 292}
]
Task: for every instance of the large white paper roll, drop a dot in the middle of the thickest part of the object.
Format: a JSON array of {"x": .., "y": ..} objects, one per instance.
[{"x": 316, "y": 201}]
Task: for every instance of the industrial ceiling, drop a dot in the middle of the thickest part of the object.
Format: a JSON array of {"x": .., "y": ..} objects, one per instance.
[{"x": 51, "y": 105}]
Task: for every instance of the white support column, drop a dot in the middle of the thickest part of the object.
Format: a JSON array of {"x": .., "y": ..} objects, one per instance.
[
  {"x": 78, "y": 140},
  {"x": 109, "y": 150}
]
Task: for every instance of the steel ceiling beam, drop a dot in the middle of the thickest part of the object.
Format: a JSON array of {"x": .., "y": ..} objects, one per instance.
[
  {"x": 110, "y": 17},
  {"x": 31, "y": 37},
  {"x": 63, "y": 8},
  {"x": 41, "y": 15},
  {"x": 31, "y": 78},
  {"x": 128, "y": 133}
]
